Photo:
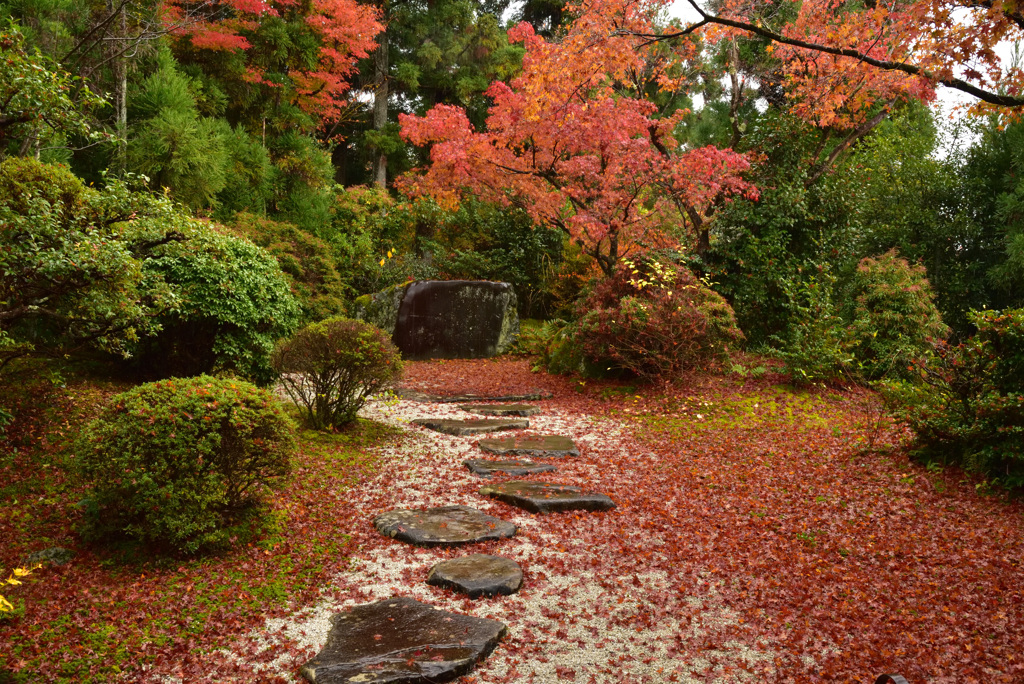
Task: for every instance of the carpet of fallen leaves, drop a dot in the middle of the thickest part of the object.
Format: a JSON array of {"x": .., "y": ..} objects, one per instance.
[{"x": 801, "y": 511}]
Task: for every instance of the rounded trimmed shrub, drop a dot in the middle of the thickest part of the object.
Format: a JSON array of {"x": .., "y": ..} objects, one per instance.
[
  {"x": 332, "y": 367},
  {"x": 895, "y": 320},
  {"x": 234, "y": 304},
  {"x": 177, "y": 462},
  {"x": 655, "y": 319}
]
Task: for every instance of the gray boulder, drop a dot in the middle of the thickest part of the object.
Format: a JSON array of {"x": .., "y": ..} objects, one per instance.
[{"x": 445, "y": 319}]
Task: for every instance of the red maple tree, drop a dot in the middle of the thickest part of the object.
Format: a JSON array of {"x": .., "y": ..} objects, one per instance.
[{"x": 568, "y": 142}]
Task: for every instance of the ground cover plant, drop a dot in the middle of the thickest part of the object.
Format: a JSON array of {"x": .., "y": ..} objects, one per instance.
[{"x": 763, "y": 534}]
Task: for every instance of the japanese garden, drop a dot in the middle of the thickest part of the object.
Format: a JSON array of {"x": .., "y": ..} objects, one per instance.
[{"x": 491, "y": 341}]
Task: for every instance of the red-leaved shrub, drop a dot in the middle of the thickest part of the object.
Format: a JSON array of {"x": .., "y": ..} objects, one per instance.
[{"x": 655, "y": 319}]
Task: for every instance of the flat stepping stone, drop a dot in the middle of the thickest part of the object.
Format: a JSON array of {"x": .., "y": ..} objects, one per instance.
[
  {"x": 478, "y": 575},
  {"x": 444, "y": 526},
  {"x": 476, "y": 426},
  {"x": 486, "y": 468},
  {"x": 545, "y": 497},
  {"x": 427, "y": 397},
  {"x": 402, "y": 641},
  {"x": 539, "y": 446},
  {"x": 502, "y": 409}
]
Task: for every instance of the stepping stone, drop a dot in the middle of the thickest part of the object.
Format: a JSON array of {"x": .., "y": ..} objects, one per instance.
[
  {"x": 502, "y": 409},
  {"x": 544, "y": 497},
  {"x": 477, "y": 426},
  {"x": 445, "y": 526},
  {"x": 402, "y": 641},
  {"x": 478, "y": 575},
  {"x": 427, "y": 397},
  {"x": 486, "y": 468},
  {"x": 540, "y": 446}
]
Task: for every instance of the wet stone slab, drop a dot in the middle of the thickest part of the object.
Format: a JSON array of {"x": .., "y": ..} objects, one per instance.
[
  {"x": 478, "y": 426},
  {"x": 444, "y": 526},
  {"x": 486, "y": 468},
  {"x": 478, "y": 575},
  {"x": 501, "y": 409},
  {"x": 431, "y": 398},
  {"x": 402, "y": 641},
  {"x": 539, "y": 446},
  {"x": 545, "y": 497}
]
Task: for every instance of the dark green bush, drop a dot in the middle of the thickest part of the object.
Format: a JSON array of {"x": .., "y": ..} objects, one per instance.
[
  {"x": 70, "y": 267},
  {"x": 332, "y": 367},
  {"x": 967, "y": 406},
  {"x": 653, "y": 319},
  {"x": 176, "y": 463},
  {"x": 889, "y": 326},
  {"x": 235, "y": 303},
  {"x": 818, "y": 348},
  {"x": 304, "y": 258}
]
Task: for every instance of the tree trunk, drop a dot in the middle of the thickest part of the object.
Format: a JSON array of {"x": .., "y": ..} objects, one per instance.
[
  {"x": 119, "y": 67},
  {"x": 380, "y": 106}
]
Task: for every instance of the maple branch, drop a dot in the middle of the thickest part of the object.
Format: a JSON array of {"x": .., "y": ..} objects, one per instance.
[
  {"x": 853, "y": 137},
  {"x": 995, "y": 98}
]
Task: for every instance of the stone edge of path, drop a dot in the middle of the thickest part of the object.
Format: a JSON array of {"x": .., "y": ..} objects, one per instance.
[
  {"x": 468, "y": 428},
  {"x": 582, "y": 500},
  {"x": 428, "y": 398}
]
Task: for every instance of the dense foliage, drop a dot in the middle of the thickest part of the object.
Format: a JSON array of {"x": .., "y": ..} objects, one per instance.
[
  {"x": 176, "y": 463},
  {"x": 307, "y": 261},
  {"x": 332, "y": 367},
  {"x": 967, "y": 408},
  {"x": 71, "y": 266},
  {"x": 653, "y": 319},
  {"x": 895, "y": 323},
  {"x": 235, "y": 304}
]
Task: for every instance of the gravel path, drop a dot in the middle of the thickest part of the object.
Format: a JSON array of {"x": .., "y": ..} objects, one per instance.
[{"x": 600, "y": 600}]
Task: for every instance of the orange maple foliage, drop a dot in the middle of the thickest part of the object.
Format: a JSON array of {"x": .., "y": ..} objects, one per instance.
[
  {"x": 567, "y": 142},
  {"x": 843, "y": 57},
  {"x": 345, "y": 29}
]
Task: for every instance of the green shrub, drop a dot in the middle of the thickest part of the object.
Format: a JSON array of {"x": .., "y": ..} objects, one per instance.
[
  {"x": 967, "y": 405},
  {"x": 818, "y": 347},
  {"x": 71, "y": 272},
  {"x": 894, "y": 319},
  {"x": 235, "y": 303},
  {"x": 653, "y": 319},
  {"x": 305, "y": 259},
  {"x": 175, "y": 463},
  {"x": 331, "y": 368}
]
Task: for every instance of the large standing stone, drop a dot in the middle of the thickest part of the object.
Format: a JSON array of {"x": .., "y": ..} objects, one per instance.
[
  {"x": 454, "y": 426},
  {"x": 402, "y": 641},
  {"x": 544, "y": 497},
  {"x": 540, "y": 446},
  {"x": 445, "y": 526},
  {"x": 381, "y": 308},
  {"x": 523, "y": 410},
  {"x": 478, "y": 575},
  {"x": 456, "y": 319},
  {"x": 486, "y": 468}
]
